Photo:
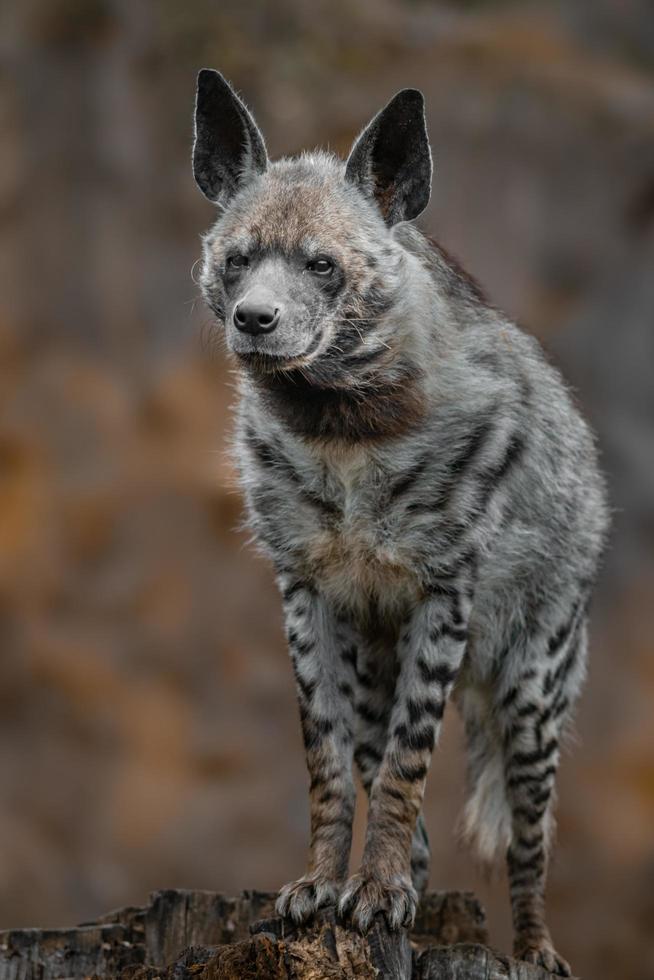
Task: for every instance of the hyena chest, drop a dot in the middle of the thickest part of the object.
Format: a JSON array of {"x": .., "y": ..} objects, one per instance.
[{"x": 358, "y": 558}]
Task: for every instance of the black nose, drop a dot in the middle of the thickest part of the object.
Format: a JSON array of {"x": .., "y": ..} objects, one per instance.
[{"x": 252, "y": 317}]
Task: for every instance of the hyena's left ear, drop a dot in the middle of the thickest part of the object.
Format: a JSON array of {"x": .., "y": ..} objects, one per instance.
[
  {"x": 229, "y": 149},
  {"x": 391, "y": 159}
]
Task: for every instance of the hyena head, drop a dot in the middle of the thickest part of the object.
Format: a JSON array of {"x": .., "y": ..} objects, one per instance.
[{"x": 301, "y": 267}]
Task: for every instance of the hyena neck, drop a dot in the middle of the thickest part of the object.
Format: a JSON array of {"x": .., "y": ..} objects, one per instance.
[{"x": 389, "y": 406}]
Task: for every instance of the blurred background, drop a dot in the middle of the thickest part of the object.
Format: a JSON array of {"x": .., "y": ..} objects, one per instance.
[{"x": 148, "y": 729}]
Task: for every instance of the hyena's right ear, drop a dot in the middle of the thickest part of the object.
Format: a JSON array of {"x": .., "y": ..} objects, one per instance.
[
  {"x": 391, "y": 159},
  {"x": 229, "y": 149}
]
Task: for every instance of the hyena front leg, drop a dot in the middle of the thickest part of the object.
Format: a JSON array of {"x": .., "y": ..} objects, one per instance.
[
  {"x": 317, "y": 641},
  {"x": 532, "y": 714},
  {"x": 375, "y": 667},
  {"x": 430, "y": 651}
]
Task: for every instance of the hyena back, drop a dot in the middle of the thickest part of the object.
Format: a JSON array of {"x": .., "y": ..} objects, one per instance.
[{"x": 427, "y": 492}]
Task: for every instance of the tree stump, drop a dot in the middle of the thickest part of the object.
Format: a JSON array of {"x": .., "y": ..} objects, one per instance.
[{"x": 198, "y": 935}]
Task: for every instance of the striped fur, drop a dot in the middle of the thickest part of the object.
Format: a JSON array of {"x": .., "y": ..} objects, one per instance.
[{"x": 430, "y": 498}]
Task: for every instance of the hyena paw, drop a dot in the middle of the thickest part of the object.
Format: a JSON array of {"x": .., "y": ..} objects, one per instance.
[
  {"x": 542, "y": 954},
  {"x": 366, "y": 894},
  {"x": 300, "y": 899}
]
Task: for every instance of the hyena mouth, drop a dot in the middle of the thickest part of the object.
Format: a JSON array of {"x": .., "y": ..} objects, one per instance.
[{"x": 265, "y": 362}]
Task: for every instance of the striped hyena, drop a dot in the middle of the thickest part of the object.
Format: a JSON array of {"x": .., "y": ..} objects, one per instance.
[{"x": 426, "y": 490}]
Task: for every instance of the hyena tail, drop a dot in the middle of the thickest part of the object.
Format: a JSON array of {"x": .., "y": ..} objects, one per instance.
[
  {"x": 485, "y": 824},
  {"x": 486, "y": 820}
]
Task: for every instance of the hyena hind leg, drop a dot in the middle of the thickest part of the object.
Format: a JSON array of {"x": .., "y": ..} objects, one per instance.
[{"x": 535, "y": 711}]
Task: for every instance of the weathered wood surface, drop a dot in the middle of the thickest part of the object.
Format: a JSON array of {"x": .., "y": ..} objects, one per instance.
[{"x": 196, "y": 935}]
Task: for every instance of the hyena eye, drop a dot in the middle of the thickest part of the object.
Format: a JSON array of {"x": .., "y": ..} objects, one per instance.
[
  {"x": 321, "y": 266},
  {"x": 237, "y": 261}
]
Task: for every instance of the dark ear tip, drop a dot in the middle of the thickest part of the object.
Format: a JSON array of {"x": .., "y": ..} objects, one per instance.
[
  {"x": 209, "y": 78},
  {"x": 411, "y": 97}
]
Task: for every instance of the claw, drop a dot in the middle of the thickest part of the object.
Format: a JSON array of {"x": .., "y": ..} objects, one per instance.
[
  {"x": 545, "y": 956},
  {"x": 300, "y": 899},
  {"x": 365, "y": 895}
]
